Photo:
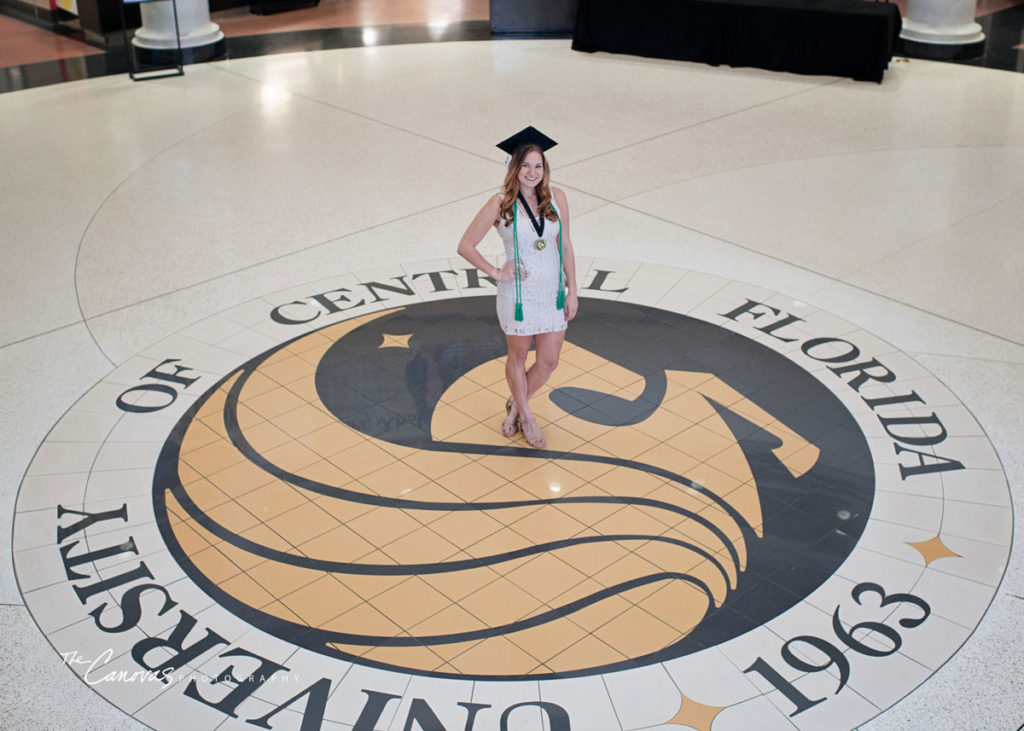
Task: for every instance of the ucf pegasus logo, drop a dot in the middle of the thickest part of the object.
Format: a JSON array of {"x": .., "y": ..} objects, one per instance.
[{"x": 349, "y": 492}]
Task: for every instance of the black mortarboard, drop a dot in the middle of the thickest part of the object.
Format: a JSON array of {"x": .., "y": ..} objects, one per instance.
[{"x": 528, "y": 136}]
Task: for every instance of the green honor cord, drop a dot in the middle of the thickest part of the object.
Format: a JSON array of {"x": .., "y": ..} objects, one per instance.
[
  {"x": 560, "y": 299},
  {"x": 515, "y": 252}
]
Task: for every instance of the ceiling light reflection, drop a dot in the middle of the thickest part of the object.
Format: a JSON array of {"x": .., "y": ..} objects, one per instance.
[{"x": 274, "y": 98}]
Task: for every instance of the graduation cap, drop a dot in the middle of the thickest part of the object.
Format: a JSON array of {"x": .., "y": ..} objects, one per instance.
[{"x": 528, "y": 136}]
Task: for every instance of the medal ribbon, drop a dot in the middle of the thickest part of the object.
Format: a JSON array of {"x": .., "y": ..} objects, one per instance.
[{"x": 538, "y": 227}]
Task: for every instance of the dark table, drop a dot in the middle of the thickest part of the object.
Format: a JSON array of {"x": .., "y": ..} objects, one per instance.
[{"x": 853, "y": 38}]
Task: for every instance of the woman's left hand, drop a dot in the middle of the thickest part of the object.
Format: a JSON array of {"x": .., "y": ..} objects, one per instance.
[{"x": 571, "y": 305}]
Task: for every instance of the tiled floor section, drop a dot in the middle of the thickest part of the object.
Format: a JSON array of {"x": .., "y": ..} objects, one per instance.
[
  {"x": 26, "y": 44},
  {"x": 350, "y": 485},
  {"x": 335, "y": 14}
]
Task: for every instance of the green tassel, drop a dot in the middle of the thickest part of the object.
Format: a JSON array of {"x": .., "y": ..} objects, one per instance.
[
  {"x": 515, "y": 253},
  {"x": 560, "y": 300}
]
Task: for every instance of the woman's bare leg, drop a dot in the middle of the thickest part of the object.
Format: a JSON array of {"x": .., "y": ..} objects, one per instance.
[
  {"x": 525, "y": 383},
  {"x": 549, "y": 348},
  {"x": 515, "y": 372}
]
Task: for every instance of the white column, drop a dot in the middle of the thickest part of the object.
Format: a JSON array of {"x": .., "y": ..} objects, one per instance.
[
  {"x": 942, "y": 23},
  {"x": 201, "y": 39}
]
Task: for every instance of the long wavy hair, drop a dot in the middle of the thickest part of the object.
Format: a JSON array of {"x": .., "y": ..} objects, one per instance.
[{"x": 510, "y": 190}]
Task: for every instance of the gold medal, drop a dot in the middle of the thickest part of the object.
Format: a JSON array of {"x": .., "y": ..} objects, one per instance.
[{"x": 540, "y": 244}]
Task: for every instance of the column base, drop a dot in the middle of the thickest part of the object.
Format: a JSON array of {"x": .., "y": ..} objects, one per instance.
[
  {"x": 941, "y": 51},
  {"x": 189, "y": 54}
]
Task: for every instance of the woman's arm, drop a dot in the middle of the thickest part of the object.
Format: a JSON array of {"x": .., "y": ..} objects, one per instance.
[
  {"x": 568, "y": 256},
  {"x": 475, "y": 233}
]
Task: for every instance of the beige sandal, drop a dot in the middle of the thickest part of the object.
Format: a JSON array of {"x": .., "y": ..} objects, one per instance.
[
  {"x": 510, "y": 426},
  {"x": 532, "y": 434}
]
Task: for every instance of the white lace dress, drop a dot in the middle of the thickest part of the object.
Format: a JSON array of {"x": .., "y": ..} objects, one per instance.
[{"x": 540, "y": 287}]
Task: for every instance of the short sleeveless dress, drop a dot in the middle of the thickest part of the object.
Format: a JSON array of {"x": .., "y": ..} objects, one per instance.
[{"x": 540, "y": 287}]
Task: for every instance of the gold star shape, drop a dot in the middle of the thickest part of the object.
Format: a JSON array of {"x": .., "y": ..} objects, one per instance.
[
  {"x": 932, "y": 550},
  {"x": 395, "y": 341},
  {"x": 695, "y": 715}
]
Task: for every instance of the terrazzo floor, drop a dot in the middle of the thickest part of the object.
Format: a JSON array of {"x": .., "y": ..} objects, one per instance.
[{"x": 187, "y": 258}]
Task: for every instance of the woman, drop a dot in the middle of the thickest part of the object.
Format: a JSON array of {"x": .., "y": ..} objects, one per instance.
[{"x": 537, "y": 284}]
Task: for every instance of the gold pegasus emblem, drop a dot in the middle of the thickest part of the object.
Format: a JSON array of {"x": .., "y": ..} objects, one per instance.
[{"x": 475, "y": 557}]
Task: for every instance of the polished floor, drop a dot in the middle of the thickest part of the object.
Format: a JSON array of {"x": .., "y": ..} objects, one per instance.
[{"x": 236, "y": 340}]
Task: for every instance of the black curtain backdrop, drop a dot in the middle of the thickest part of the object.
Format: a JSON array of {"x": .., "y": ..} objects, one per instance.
[{"x": 853, "y": 38}]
